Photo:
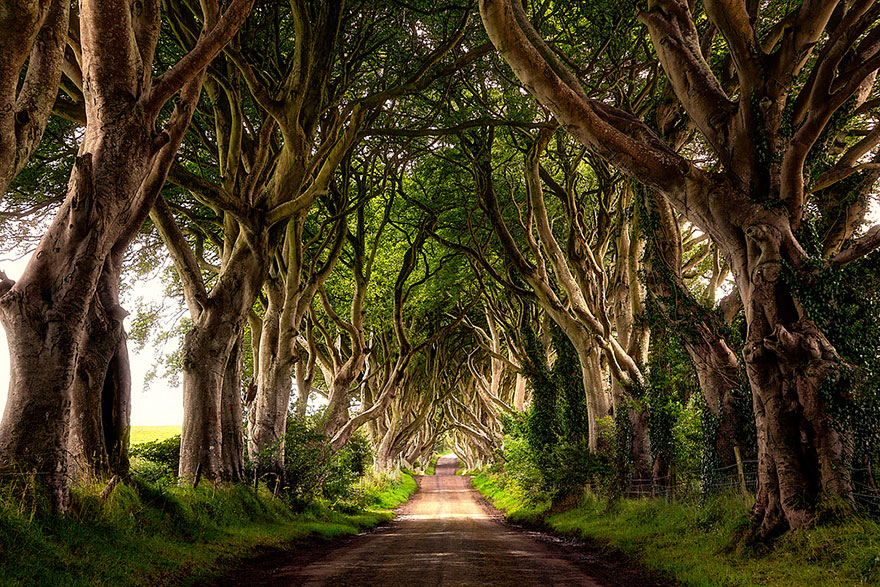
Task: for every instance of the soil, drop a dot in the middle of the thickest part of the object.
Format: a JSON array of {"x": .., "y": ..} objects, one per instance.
[{"x": 447, "y": 535}]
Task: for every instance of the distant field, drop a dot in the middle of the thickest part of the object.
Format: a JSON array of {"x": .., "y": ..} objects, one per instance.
[{"x": 147, "y": 433}]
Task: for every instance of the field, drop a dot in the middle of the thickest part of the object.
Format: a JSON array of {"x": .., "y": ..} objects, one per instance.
[{"x": 141, "y": 434}]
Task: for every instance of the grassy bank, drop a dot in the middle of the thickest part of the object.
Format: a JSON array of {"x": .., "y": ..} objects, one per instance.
[
  {"x": 433, "y": 464},
  {"x": 696, "y": 544},
  {"x": 152, "y": 535}
]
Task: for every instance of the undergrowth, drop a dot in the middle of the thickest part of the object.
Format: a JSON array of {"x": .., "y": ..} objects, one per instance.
[
  {"x": 696, "y": 543},
  {"x": 154, "y": 534}
]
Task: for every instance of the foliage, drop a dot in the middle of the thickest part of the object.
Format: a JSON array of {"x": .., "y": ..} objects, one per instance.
[
  {"x": 547, "y": 451},
  {"x": 845, "y": 304},
  {"x": 312, "y": 471},
  {"x": 571, "y": 399},
  {"x": 156, "y": 460},
  {"x": 508, "y": 496},
  {"x": 541, "y": 423},
  {"x": 384, "y": 492},
  {"x": 674, "y": 402}
]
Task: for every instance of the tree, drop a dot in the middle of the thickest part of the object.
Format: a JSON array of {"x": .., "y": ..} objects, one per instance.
[
  {"x": 313, "y": 96},
  {"x": 74, "y": 272},
  {"x": 796, "y": 75}
]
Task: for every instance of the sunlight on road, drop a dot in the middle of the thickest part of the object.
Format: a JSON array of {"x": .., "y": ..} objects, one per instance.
[{"x": 446, "y": 516}]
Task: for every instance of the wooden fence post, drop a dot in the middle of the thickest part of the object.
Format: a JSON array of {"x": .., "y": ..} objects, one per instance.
[{"x": 739, "y": 469}]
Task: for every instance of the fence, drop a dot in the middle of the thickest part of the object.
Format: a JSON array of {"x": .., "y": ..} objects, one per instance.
[{"x": 743, "y": 476}]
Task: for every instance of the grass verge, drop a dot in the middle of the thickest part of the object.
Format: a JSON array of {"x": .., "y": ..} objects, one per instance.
[
  {"x": 153, "y": 535},
  {"x": 384, "y": 493},
  {"x": 696, "y": 544},
  {"x": 430, "y": 469}
]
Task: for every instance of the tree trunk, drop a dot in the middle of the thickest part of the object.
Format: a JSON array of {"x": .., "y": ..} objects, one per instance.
[
  {"x": 206, "y": 352},
  {"x": 100, "y": 404},
  {"x": 593, "y": 390},
  {"x": 801, "y": 455},
  {"x": 718, "y": 372},
  {"x": 34, "y": 33},
  {"x": 101, "y": 392},
  {"x": 386, "y": 459},
  {"x": 268, "y": 413},
  {"x": 231, "y": 417},
  {"x": 218, "y": 323},
  {"x": 212, "y": 380},
  {"x": 303, "y": 389},
  {"x": 45, "y": 314},
  {"x": 695, "y": 326},
  {"x": 519, "y": 394},
  {"x": 88, "y": 453}
]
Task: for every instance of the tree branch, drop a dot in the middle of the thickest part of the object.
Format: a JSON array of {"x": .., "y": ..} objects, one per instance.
[{"x": 209, "y": 45}]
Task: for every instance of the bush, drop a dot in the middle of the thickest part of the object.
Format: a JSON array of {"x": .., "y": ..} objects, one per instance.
[
  {"x": 156, "y": 460},
  {"x": 312, "y": 470}
]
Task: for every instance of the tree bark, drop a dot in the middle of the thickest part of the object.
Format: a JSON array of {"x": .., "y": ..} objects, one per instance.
[
  {"x": 101, "y": 392},
  {"x": 801, "y": 455},
  {"x": 267, "y": 418},
  {"x": 696, "y": 327},
  {"x": 207, "y": 353},
  {"x": 34, "y": 33},
  {"x": 719, "y": 375},
  {"x": 232, "y": 444}
]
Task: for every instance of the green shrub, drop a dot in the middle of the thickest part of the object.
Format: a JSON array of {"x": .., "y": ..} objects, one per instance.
[
  {"x": 312, "y": 470},
  {"x": 156, "y": 460}
]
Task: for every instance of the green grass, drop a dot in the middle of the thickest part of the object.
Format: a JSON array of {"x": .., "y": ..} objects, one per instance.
[
  {"x": 155, "y": 535},
  {"x": 698, "y": 546},
  {"x": 384, "y": 493},
  {"x": 430, "y": 469},
  {"x": 141, "y": 434},
  {"x": 517, "y": 507}
]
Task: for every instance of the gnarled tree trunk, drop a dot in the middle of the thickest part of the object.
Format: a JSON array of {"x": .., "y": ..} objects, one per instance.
[
  {"x": 232, "y": 445},
  {"x": 208, "y": 360},
  {"x": 801, "y": 454},
  {"x": 122, "y": 164}
]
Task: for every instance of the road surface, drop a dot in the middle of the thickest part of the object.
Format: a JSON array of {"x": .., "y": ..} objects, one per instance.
[{"x": 447, "y": 536}]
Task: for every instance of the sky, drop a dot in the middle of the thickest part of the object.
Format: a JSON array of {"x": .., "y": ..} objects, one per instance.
[{"x": 161, "y": 404}]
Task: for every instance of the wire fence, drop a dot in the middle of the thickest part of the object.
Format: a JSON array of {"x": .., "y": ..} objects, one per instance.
[
  {"x": 743, "y": 477},
  {"x": 682, "y": 485}
]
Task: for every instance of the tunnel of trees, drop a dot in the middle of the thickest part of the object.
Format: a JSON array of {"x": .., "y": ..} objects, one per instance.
[{"x": 631, "y": 243}]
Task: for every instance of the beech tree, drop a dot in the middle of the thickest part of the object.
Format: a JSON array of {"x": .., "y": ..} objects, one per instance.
[
  {"x": 797, "y": 72},
  {"x": 596, "y": 306},
  {"x": 71, "y": 281},
  {"x": 412, "y": 422},
  {"x": 701, "y": 329}
]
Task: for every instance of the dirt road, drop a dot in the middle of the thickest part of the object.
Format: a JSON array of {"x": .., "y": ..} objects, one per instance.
[{"x": 446, "y": 536}]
